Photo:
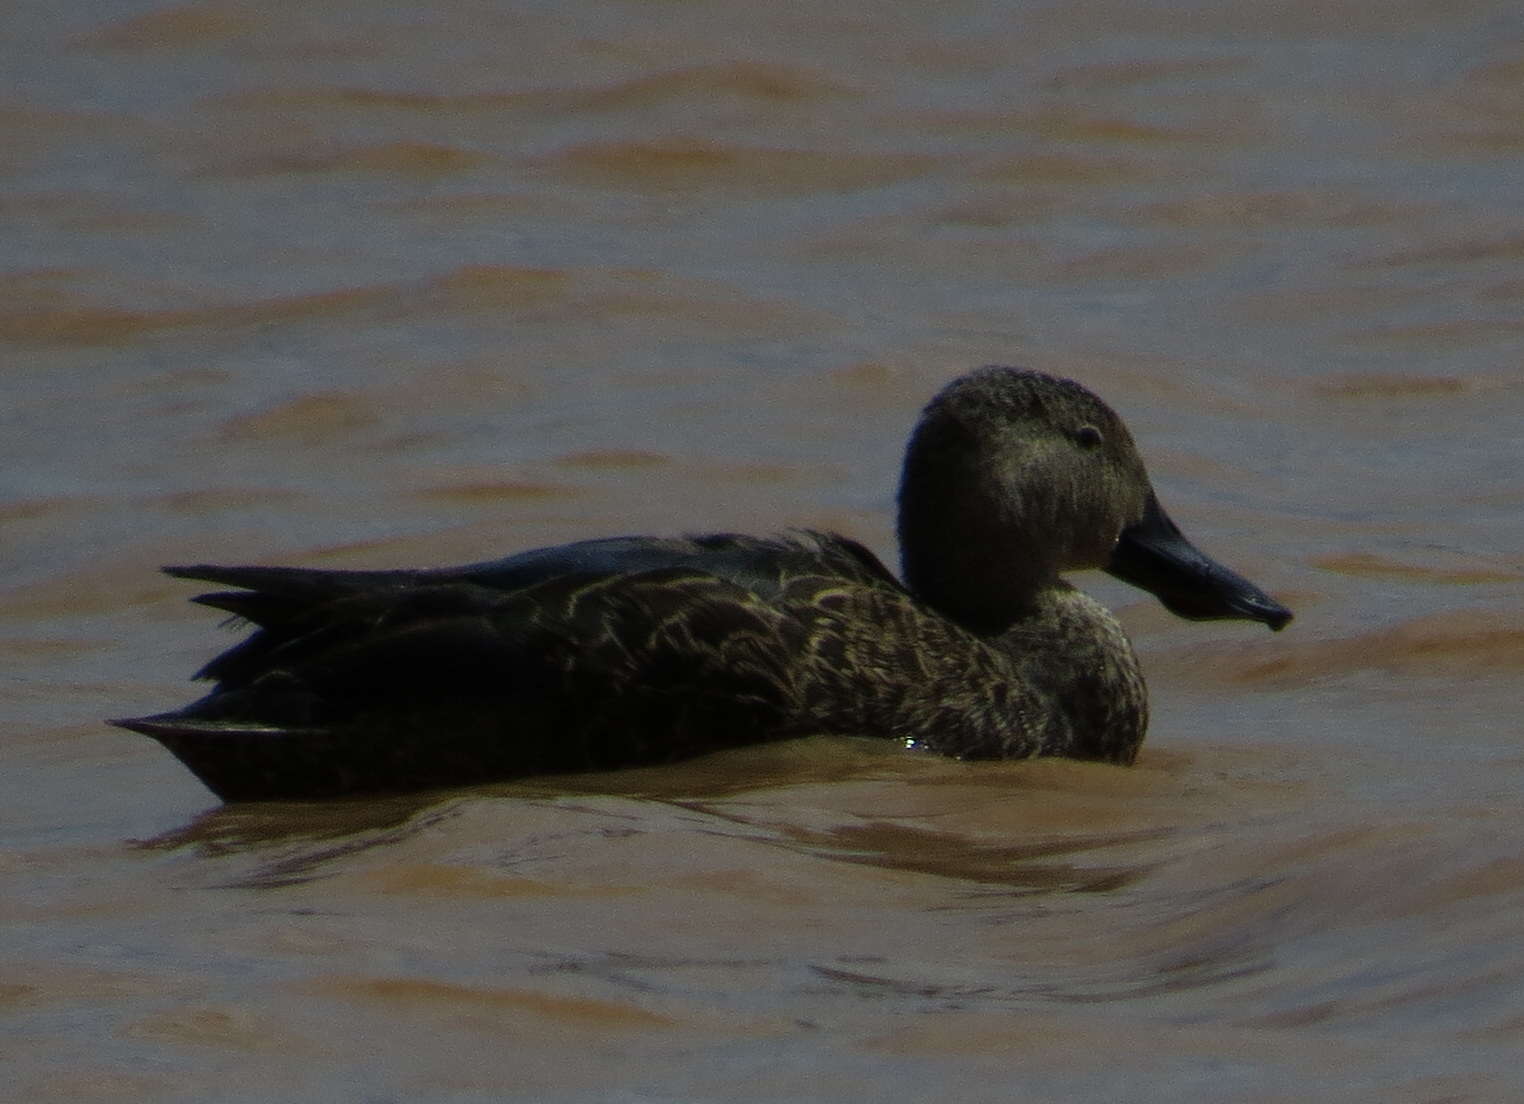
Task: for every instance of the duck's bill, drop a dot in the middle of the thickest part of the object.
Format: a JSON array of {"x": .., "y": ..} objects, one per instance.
[{"x": 1154, "y": 555}]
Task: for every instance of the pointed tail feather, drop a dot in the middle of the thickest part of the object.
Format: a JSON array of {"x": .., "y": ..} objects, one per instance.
[
  {"x": 288, "y": 582},
  {"x": 176, "y": 727},
  {"x": 243, "y": 761},
  {"x": 247, "y": 605}
]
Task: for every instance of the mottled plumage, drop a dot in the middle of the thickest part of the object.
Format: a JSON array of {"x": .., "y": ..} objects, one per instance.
[{"x": 638, "y": 650}]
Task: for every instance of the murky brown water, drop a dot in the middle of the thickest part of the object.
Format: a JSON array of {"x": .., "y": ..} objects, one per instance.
[{"x": 313, "y": 283}]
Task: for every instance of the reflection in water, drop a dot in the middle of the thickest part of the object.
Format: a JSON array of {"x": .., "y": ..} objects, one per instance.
[
  {"x": 945, "y": 855},
  {"x": 291, "y": 842},
  {"x": 230, "y": 828},
  {"x": 308, "y": 836}
]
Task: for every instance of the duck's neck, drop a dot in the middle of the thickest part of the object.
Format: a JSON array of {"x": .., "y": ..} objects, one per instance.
[
  {"x": 961, "y": 552},
  {"x": 973, "y": 582}
]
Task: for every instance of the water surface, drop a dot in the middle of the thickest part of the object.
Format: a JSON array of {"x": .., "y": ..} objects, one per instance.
[{"x": 321, "y": 284}]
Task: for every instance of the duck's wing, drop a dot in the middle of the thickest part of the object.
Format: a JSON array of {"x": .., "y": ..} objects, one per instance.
[
  {"x": 288, "y": 603},
  {"x": 446, "y": 683},
  {"x": 597, "y": 654}
]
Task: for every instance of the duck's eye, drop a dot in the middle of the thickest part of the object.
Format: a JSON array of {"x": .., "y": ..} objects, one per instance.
[{"x": 1087, "y": 437}]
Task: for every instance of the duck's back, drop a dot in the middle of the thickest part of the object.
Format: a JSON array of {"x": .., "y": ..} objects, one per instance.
[{"x": 589, "y": 656}]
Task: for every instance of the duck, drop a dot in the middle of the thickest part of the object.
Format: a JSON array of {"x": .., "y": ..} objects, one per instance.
[{"x": 638, "y": 650}]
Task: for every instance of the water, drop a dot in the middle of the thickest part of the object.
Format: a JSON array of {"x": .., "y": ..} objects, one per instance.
[{"x": 328, "y": 285}]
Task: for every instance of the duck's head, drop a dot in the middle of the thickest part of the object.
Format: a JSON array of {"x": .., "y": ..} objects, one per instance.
[{"x": 1013, "y": 477}]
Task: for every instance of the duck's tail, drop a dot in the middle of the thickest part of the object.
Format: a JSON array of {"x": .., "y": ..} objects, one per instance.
[
  {"x": 244, "y": 760},
  {"x": 177, "y": 727}
]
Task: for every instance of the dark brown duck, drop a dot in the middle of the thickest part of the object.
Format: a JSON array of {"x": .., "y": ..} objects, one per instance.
[{"x": 640, "y": 650}]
